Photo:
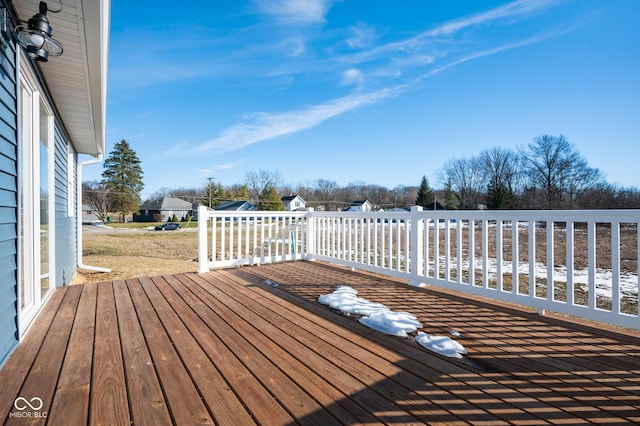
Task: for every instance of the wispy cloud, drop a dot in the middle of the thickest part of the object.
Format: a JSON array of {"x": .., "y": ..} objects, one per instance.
[
  {"x": 361, "y": 36},
  {"x": 414, "y": 59},
  {"x": 218, "y": 167},
  {"x": 259, "y": 127},
  {"x": 295, "y": 12},
  {"x": 429, "y": 39},
  {"x": 352, "y": 77},
  {"x": 515, "y": 10}
]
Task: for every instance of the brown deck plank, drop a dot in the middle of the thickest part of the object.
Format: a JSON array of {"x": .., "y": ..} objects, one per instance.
[
  {"x": 17, "y": 367},
  {"x": 182, "y": 397},
  {"x": 146, "y": 399},
  {"x": 415, "y": 369},
  {"x": 350, "y": 371},
  {"x": 109, "y": 403},
  {"x": 43, "y": 375},
  {"x": 294, "y": 282},
  {"x": 71, "y": 401},
  {"x": 200, "y": 320},
  {"x": 294, "y": 358},
  {"x": 201, "y": 347},
  {"x": 396, "y": 380},
  {"x": 222, "y": 402},
  {"x": 293, "y": 398}
]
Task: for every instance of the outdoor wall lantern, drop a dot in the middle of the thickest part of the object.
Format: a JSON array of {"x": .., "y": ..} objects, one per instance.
[{"x": 35, "y": 38}]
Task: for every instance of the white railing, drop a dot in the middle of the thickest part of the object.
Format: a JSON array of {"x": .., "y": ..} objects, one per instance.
[
  {"x": 582, "y": 263},
  {"x": 249, "y": 238}
]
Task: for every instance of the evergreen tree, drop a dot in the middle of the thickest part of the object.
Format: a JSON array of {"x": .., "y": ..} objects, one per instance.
[
  {"x": 425, "y": 193},
  {"x": 217, "y": 194},
  {"x": 122, "y": 175},
  {"x": 449, "y": 196},
  {"x": 242, "y": 193},
  {"x": 270, "y": 200}
]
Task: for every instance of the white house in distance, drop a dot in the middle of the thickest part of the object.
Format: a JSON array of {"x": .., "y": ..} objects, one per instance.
[
  {"x": 293, "y": 202},
  {"x": 360, "y": 206}
]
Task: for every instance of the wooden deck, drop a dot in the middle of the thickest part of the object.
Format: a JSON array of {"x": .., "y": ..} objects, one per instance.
[{"x": 226, "y": 348}]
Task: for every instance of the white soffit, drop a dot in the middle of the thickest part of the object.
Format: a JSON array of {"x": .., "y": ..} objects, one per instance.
[{"x": 77, "y": 80}]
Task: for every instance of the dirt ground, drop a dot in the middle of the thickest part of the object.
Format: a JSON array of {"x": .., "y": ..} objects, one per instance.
[{"x": 136, "y": 253}]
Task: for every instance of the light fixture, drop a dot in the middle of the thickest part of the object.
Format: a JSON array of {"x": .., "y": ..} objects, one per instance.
[{"x": 35, "y": 37}]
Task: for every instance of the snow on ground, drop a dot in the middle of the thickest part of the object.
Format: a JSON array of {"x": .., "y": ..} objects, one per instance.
[
  {"x": 384, "y": 320},
  {"x": 603, "y": 277}
]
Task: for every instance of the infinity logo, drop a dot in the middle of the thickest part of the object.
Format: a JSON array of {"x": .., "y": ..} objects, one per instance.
[{"x": 22, "y": 403}]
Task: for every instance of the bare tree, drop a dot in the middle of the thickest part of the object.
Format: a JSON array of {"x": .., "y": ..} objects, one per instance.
[
  {"x": 96, "y": 195},
  {"x": 259, "y": 181},
  {"x": 502, "y": 174},
  {"x": 467, "y": 178},
  {"x": 556, "y": 168},
  {"x": 404, "y": 195},
  {"x": 325, "y": 193}
]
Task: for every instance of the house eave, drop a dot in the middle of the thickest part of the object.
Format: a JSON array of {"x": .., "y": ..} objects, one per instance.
[{"x": 77, "y": 80}]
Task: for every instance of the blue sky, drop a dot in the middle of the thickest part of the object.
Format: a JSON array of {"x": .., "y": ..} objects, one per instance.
[{"x": 380, "y": 92}]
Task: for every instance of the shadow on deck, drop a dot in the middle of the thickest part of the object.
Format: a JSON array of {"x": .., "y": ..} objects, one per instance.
[{"x": 225, "y": 348}]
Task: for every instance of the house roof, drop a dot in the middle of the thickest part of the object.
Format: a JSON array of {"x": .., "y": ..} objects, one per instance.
[
  {"x": 166, "y": 203},
  {"x": 77, "y": 80},
  {"x": 360, "y": 202},
  {"x": 235, "y": 206},
  {"x": 289, "y": 198}
]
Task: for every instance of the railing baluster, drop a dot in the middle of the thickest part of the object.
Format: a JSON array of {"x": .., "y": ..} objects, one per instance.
[
  {"x": 447, "y": 250},
  {"x": 472, "y": 253},
  {"x": 570, "y": 262},
  {"x": 515, "y": 257},
  {"x": 499, "y": 255},
  {"x": 550, "y": 261},
  {"x": 428, "y": 259},
  {"x": 223, "y": 238},
  {"x": 532, "y": 258},
  {"x": 485, "y": 253},
  {"x": 459, "y": 252},
  {"x": 436, "y": 248},
  {"x": 615, "y": 267},
  {"x": 591, "y": 260}
]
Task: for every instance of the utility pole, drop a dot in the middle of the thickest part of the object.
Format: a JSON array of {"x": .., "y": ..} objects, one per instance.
[{"x": 210, "y": 179}]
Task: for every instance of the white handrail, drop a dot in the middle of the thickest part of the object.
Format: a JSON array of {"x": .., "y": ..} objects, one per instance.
[{"x": 525, "y": 257}]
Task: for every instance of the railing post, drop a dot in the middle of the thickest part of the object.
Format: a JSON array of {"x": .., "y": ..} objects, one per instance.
[
  {"x": 311, "y": 232},
  {"x": 416, "y": 226},
  {"x": 203, "y": 223}
]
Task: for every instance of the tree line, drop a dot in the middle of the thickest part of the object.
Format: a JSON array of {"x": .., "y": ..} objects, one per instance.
[{"x": 548, "y": 173}]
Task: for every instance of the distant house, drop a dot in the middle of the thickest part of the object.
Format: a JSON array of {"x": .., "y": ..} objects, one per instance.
[
  {"x": 293, "y": 202},
  {"x": 163, "y": 209},
  {"x": 360, "y": 206},
  {"x": 235, "y": 206},
  {"x": 89, "y": 215}
]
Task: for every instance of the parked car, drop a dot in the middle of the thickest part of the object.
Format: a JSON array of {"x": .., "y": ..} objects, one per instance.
[{"x": 169, "y": 226}]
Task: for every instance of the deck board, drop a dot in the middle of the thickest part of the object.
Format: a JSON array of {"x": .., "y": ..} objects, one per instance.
[
  {"x": 146, "y": 400},
  {"x": 225, "y": 348},
  {"x": 71, "y": 401},
  {"x": 109, "y": 403}
]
